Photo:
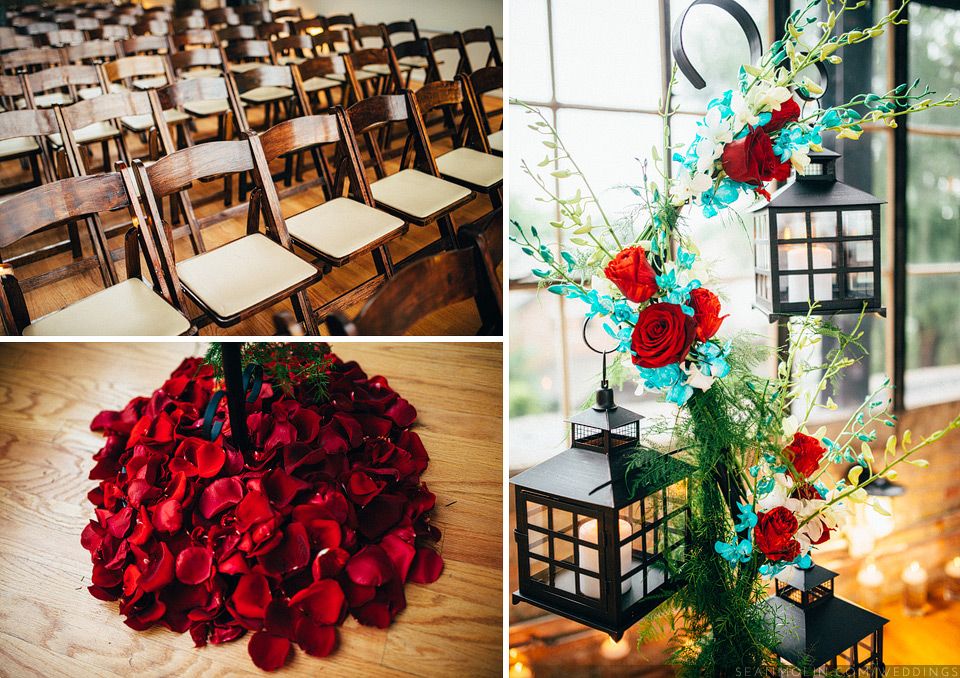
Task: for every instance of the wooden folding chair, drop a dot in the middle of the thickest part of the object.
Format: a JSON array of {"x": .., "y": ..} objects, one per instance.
[
  {"x": 313, "y": 26},
  {"x": 484, "y": 35},
  {"x": 361, "y": 37},
  {"x": 10, "y": 43},
  {"x": 253, "y": 14},
  {"x": 86, "y": 24},
  {"x": 35, "y": 28},
  {"x": 345, "y": 226},
  {"x": 59, "y": 85},
  {"x": 23, "y": 137},
  {"x": 317, "y": 75},
  {"x": 475, "y": 169},
  {"x": 271, "y": 30},
  {"x": 204, "y": 38},
  {"x": 268, "y": 86},
  {"x": 127, "y": 308},
  {"x": 191, "y": 22},
  {"x": 112, "y": 32},
  {"x": 290, "y": 16},
  {"x": 243, "y": 54},
  {"x": 359, "y": 74},
  {"x": 475, "y": 85},
  {"x": 341, "y": 21},
  {"x": 429, "y": 285},
  {"x": 417, "y": 195},
  {"x": 12, "y": 93},
  {"x": 90, "y": 52},
  {"x": 146, "y": 72},
  {"x": 293, "y": 49},
  {"x": 30, "y": 59},
  {"x": 64, "y": 37},
  {"x": 202, "y": 62},
  {"x": 485, "y": 236},
  {"x": 244, "y": 276},
  {"x": 219, "y": 17},
  {"x": 152, "y": 27},
  {"x": 145, "y": 45}
]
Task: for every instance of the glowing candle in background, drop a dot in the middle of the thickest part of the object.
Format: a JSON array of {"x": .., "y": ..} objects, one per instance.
[
  {"x": 951, "y": 590},
  {"x": 520, "y": 670},
  {"x": 589, "y": 557},
  {"x": 612, "y": 649},
  {"x": 914, "y": 589},
  {"x": 871, "y": 579}
]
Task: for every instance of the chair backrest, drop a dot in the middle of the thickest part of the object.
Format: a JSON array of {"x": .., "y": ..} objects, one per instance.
[
  {"x": 11, "y": 86},
  {"x": 141, "y": 65},
  {"x": 40, "y": 27},
  {"x": 374, "y": 113},
  {"x": 37, "y": 123},
  {"x": 191, "y": 90},
  {"x": 253, "y": 14},
  {"x": 8, "y": 43},
  {"x": 319, "y": 67},
  {"x": 152, "y": 27},
  {"x": 383, "y": 56},
  {"x": 485, "y": 34},
  {"x": 376, "y": 32},
  {"x": 99, "y": 109},
  {"x": 430, "y": 284},
  {"x": 207, "y": 57},
  {"x": 475, "y": 126},
  {"x": 336, "y": 20},
  {"x": 266, "y": 75},
  {"x": 270, "y": 30},
  {"x": 334, "y": 40},
  {"x": 409, "y": 26},
  {"x": 91, "y": 51},
  {"x": 222, "y": 16},
  {"x": 31, "y": 58},
  {"x": 63, "y": 37},
  {"x": 145, "y": 44},
  {"x": 434, "y": 95},
  {"x": 85, "y": 24},
  {"x": 292, "y": 15},
  {"x": 419, "y": 48},
  {"x": 188, "y": 23},
  {"x": 111, "y": 32},
  {"x": 475, "y": 85},
  {"x": 59, "y": 77},
  {"x": 313, "y": 26},
  {"x": 248, "y": 50},
  {"x": 237, "y": 32},
  {"x": 293, "y": 45},
  {"x": 195, "y": 37},
  {"x": 452, "y": 41}
]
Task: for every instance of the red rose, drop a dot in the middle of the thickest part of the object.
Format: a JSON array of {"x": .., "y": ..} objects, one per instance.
[
  {"x": 789, "y": 112},
  {"x": 805, "y": 453},
  {"x": 751, "y": 159},
  {"x": 706, "y": 312},
  {"x": 632, "y": 274},
  {"x": 662, "y": 336},
  {"x": 774, "y": 534}
]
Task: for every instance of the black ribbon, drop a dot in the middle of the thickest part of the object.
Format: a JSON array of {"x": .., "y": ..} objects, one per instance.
[
  {"x": 252, "y": 384},
  {"x": 750, "y": 31}
]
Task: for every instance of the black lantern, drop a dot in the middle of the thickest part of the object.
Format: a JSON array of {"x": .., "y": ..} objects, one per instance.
[
  {"x": 818, "y": 239},
  {"x": 592, "y": 545},
  {"x": 820, "y": 632}
]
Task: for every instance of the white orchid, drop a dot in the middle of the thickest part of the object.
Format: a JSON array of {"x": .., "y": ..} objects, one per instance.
[
  {"x": 698, "y": 379},
  {"x": 688, "y": 186},
  {"x": 714, "y": 133}
]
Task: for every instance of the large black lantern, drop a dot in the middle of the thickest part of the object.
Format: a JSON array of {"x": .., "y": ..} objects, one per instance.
[
  {"x": 592, "y": 545},
  {"x": 819, "y": 632},
  {"x": 818, "y": 239}
]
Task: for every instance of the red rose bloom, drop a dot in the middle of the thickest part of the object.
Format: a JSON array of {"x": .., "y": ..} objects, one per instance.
[
  {"x": 774, "y": 534},
  {"x": 632, "y": 274},
  {"x": 805, "y": 453},
  {"x": 662, "y": 336},
  {"x": 789, "y": 112},
  {"x": 706, "y": 312},
  {"x": 751, "y": 160}
]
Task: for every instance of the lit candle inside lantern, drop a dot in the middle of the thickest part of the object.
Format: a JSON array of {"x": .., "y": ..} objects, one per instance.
[
  {"x": 520, "y": 670},
  {"x": 589, "y": 557},
  {"x": 870, "y": 578},
  {"x": 612, "y": 649},
  {"x": 914, "y": 589},
  {"x": 952, "y": 589},
  {"x": 822, "y": 284}
]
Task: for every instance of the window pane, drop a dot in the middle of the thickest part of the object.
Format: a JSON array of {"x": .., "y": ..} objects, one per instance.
[
  {"x": 933, "y": 340},
  {"x": 935, "y": 57},
  {"x": 716, "y": 47},
  {"x": 525, "y": 209},
  {"x": 529, "y": 51},
  {"x": 933, "y": 199},
  {"x": 607, "y": 53}
]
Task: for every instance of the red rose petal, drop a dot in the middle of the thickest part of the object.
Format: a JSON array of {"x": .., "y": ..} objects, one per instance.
[
  {"x": 210, "y": 458},
  {"x": 329, "y": 563},
  {"x": 373, "y": 614},
  {"x": 426, "y": 567},
  {"x": 252, "y": 595},
  {"x": 314, "y": 639},
  {"x": 400, "y": 551},
  {"x": 194, "y": 564},
  {"x": 159, "y": 571},
  {"x": 268, "y": 652},
  {"x": 220, "y": 495},
  {"x": 292, "y": 553},
  {"x": 325, "y": 603},
  {"x": 370, "y": 566},
  {"x": 255, "y": 508},
  {"x": 168, "y": 516}
]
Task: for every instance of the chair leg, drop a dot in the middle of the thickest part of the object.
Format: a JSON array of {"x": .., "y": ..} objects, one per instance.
[
  {"x": 304, "y": 312},
  {"x": 35, "y": 168},
  {"x": 73, "y": 233},
  {"x": 105, "y": 150},
  {"x": 448, "y": 232},
  {"x": 383, "y": 261}
]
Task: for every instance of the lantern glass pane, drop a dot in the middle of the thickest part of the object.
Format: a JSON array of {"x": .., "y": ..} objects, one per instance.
[
  {"x": 860, "y": 285},
  {"x": 539, "y": 571},
  {"x": 539, "y": 544},
  {"x": 859, "y": 253},
  {"x": 587, "y": 530},
  {"x": 536, "y": 514},
  {"x": 794, "y": 288},
  {"x": 857, "y": 223},
  {"x": 823, "y": 224},
  {"x": 562, "y": 521},
  {"x": 825, "y": 286},
  {"x": 791, "y": 225}
]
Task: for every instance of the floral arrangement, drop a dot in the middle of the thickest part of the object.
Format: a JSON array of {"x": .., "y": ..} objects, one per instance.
[
  {"x": 765, "y": 497},
  {"x": 326, "y": 515}
]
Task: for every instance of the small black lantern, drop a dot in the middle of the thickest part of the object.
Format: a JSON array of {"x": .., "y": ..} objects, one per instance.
[
  {"x": 820, "y": 632},
  {"x": 591, "y": 546},
  {"x": 818, "y": 239}
]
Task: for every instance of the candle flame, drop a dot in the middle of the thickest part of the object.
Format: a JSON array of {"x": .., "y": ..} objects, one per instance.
[{"x": 786, "y": 233}]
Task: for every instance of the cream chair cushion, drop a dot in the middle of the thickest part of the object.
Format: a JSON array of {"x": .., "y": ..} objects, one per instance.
[
  {"x": 415, "y": 61},
  {"x": 208, "y": 107},
  {"x": 141, "y": 123},
  {"x": 495, "y": 93},
  {"x": 18, "y": 146},
  {"x": 416, "y": 193},
  {"x": 496, "y": 141},
  {"x": 95, "y": 132},
  {"x": 472, "y": 166},
  {"x": 260, "y": 95},
  {"x": 244, "y": 67},
  {"x": 287, "y": 60},
  {"x": 383, "y": 69},
  {"x": 47, "y": 100},
  {"x": 242, "y": 273},
  {"x": 129, "y": 308},
  {"x": 342, "y": 226},
  {"x": 361, "y": 75},
  {"x": 201, "y": 73},
  {"x": 94, "y": 92},
  {"x": 150, "y": 83},
  {"x": 316, "y": 84}
]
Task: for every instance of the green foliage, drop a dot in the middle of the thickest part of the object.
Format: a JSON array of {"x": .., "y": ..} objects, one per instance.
[{"x": 286, "y": 366}]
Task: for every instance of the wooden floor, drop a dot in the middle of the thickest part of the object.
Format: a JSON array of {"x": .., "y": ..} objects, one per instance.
[
  {"x": 460, "y": 319},
  {"x": 51, "y": 626}
]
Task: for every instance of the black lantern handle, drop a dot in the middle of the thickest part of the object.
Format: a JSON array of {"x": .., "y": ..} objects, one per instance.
[
  {"x": 603, "y": 379},
  {"x": 740, "y": 15}
]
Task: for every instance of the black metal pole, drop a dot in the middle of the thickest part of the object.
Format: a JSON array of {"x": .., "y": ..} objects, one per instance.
[
  {"x": 236, "y": 395},
  {"x": 898, "y": 257}
]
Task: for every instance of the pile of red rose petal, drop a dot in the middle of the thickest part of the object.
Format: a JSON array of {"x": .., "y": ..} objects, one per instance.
[{"x": 326, "y": 517}]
